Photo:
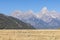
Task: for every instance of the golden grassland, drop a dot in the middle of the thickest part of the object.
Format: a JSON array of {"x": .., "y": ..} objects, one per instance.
[{"x": 29, "y": 34}]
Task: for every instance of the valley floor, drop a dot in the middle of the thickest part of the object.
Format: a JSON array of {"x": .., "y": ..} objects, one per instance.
[{"x": 29, "y": 34}]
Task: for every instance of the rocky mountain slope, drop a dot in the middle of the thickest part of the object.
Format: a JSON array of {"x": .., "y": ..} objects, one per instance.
[{"x": 8, "y": 22}]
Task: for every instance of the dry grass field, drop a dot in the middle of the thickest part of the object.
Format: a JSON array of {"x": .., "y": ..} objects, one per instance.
[{"x": 29, "y": 34}]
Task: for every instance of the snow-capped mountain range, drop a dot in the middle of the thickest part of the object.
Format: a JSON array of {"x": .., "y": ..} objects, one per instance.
[{"x": 43, "y": 20}]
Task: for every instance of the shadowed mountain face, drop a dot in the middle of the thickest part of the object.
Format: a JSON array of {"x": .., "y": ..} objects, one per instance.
[{"x": 8, "y": 22}]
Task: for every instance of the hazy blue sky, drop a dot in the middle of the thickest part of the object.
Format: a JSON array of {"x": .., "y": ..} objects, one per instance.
[{"x": 8, "y": 6}]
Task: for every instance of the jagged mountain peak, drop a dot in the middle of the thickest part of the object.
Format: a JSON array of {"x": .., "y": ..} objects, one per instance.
[
  {"x": 47, "y": 16},
  {"x": 29, "y": 12},
  {"x": 44, "y": 10},
  {"x": 17, "y": 13}
]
